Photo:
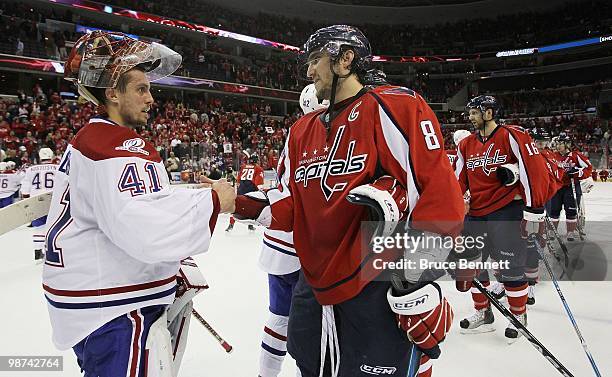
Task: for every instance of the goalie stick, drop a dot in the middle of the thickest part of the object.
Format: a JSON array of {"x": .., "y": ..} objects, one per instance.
[
  {"x": 520, "y": 327},
  {"x": 226, "y": 346},
  {"x": 24, "y": 211}
]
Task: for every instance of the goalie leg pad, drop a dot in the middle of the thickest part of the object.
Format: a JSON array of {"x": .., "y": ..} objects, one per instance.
[
  {"x": 179, "y": 329},
  {"x": 158, "y": 349}
]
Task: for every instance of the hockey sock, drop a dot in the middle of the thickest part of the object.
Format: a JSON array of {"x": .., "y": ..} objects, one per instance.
[
  {"x": 516, "y": 291},
  {"x": 480, "y": 300},
  {"x": 555, "y": 223},
  {"x": 571, "y": 225},
  {"x": 425, "y": 369},
  {"x": 274, "y": 345}
]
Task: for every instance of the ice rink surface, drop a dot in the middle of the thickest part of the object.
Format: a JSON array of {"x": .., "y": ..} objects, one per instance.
[{"x": 236, "y": 306}]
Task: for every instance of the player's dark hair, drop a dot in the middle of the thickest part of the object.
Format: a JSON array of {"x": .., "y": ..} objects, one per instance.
[{"x": 122, "y": 83}]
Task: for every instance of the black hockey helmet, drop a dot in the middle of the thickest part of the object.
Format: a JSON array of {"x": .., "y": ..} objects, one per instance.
[
  {"x": 253, "y": 159},
  {"x": 539, "y": 134},
  {"x": 483, "y": 103},
  {"x": 375, "y": 77},
  {"x": 564, "y": 138},
  {"x": 336, "y": 39}
]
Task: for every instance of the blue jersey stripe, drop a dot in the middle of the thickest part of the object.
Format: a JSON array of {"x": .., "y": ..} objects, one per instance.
[
  {"x": 106, "y": 304},
  {"x": 273, "y": 351},
  {"x": 279, "y": 249}
]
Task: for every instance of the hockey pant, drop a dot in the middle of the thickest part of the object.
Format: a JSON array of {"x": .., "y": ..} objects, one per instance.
[{"x": 365, "y": 338}]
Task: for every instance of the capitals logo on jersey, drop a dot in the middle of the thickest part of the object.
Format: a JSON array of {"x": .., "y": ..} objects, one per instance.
[
  {"x": 487, "y": 162},
  {"x": 324, "y": 166}
]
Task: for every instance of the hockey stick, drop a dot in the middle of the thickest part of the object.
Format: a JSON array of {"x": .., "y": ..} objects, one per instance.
[
  {"x": 520, "y": 327},
  {"x": 24, "y": 211},
  {"x": 552, "y": 227},
  {"x": 569, "y": 312},
  {"x": 579, "y": 213},
  {"x": 226, "y": 346}
]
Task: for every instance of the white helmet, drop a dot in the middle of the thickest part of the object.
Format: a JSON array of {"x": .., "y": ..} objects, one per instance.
[
  {"x": 3, "y": 166},
  {"x": 45, "y": 154},
  {"x": 10, "y": 165},
  {"x": 309, "y": 101},
  {"x": 460, "y": 135}
]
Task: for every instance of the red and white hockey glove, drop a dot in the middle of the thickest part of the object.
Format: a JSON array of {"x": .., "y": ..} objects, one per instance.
[
  {"x": 254, "y": 206},
  {"x": 422, "y": 312},
  {"x": 387, "y": 200}
]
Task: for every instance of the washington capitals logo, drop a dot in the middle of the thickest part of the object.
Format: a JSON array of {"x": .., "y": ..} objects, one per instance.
[
  {"x": 486, "y": 161},
  {"x": 135, "y": 145},
  {"x": 325, "y": 166}
]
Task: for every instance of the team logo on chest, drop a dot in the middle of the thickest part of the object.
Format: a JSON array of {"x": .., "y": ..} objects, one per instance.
[
  {"x": 324, "y": 166},
  {"x": 487, "y": 162}
]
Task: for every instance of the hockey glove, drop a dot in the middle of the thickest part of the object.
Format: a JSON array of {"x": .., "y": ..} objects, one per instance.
[
  {"x": 575, "y": 172},
  {"x": 254, "y": 206},
  {"x": 533, "y": 225},
  {"x": 586, "y": 185},
  {"x": 508, "y": 174},
  {"x": 422, "y": 312},
  {"x": 463, "y": 273},
  {"x": 386, "y": 199}
]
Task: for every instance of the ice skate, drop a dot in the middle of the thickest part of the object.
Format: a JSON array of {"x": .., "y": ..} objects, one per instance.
[
  {"x": 479, "y": 322},
  {"x": 512, "y": 334}
]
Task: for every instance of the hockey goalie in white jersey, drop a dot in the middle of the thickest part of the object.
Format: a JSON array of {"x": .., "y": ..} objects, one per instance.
[{"x": 117, "y": 230}]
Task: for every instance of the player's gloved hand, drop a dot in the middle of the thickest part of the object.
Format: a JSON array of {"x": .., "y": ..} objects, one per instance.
[
  {"x": 386, "y": 198},
  {"x": 533, "y": 223},
  {"x": 422, "y": 312},
  {"x": 254, "y": 206},
  {"x": 463, "y": 273},
  {"x": 508, "y": 174},
  {"x": 575, "y": 172},
  {"x": 586, "y": 185}
]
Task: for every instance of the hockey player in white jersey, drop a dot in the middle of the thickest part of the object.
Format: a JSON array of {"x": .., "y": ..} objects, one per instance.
[
  {"x": 39, "y": 179},
  {"x": 117, "y": 230},
  {"x": 10, "y": 181},
  {"x": 279, "y": 260}
]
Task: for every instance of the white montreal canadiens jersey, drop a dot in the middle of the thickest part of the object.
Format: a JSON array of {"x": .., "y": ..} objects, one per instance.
[
  {"x": 117, "y": 231},
  {"x": 9, "y": 184},
  {"x": 278, "y": 256},
  {"x": 38, "y": 179}
]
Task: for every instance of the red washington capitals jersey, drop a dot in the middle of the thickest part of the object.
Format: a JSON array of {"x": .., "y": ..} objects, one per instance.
[
  {"x": 577, "y": 160},
  {"x": 478, "y": 160},
  {"x": 386, "y": 130},
  {"x": 452, "y": 158},
  {"x": 251, "y": 172},
  {"x": 555, "y": 171}
]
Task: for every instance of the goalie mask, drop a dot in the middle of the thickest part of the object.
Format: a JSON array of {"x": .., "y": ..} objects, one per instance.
[{"x": 98, "y": 60}]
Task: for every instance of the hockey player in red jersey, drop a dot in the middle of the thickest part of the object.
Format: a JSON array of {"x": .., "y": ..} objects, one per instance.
[
  {"x": 508, "y": 183},
  {"x": 250, "y": 178},
  {"x": 343, "y": 322},
  {"x": 457, "y": 137},
  {"x": 577, "y": 169}
]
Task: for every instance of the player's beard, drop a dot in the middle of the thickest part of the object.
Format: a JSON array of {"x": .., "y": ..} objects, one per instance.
[{"x": 325, "y": 92}]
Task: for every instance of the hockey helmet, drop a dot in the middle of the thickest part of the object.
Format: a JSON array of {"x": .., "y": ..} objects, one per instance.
[
  {"x": 460, "y": 135},
  {"x": 309, "y": 101},
  {"x": 483, "y": 103},
  {"x": 375, "y": 77},
  {"x": 539, "y": 134},
  {"x": 336, "y": 39},
  {"x": 45, "y": 154},
  {"x": 99, "y": 58}
]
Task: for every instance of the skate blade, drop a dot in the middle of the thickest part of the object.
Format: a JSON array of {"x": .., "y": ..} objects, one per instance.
[
  {"x": 478, "y": 330},
  {"x": 513, "y": 340}
]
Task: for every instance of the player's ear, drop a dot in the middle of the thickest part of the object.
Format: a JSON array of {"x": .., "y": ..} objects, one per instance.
[
  {"x": 111, "y": 95},
  {"x": 347, "y": 59}
]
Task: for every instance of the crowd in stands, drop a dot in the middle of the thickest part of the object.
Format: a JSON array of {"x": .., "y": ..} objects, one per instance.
[{"x": 202, "y": 136}]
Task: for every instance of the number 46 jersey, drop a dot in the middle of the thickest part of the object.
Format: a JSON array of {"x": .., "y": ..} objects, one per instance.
[
  {"x": 38, "y": 179},
  {"x": 117, "y": 231}
]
